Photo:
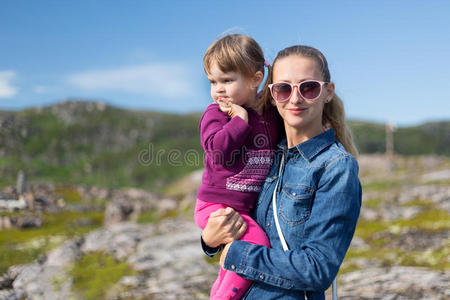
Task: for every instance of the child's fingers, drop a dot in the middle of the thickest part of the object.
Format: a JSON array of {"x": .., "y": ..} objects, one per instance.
[{"x": 225, "y": 109}]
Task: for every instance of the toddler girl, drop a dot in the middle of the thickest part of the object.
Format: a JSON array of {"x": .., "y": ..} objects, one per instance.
[{"x": 239, "y": 136}]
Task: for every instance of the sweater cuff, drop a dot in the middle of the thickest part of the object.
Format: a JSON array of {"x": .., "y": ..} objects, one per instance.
[{"x": 209, "y": 250}]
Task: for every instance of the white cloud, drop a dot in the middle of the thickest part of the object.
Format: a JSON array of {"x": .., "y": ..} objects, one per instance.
[
  {"x": 7, "y": 90},
  {"x": 41, "y": 89},
  {"x": 170, "y": 80}
]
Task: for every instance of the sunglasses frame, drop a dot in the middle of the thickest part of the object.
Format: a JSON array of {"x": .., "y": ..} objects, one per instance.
[{"x": 298, "y": 89}]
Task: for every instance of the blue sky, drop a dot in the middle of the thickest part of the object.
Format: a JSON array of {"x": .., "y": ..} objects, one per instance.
[{"x": 390, "y": 60}]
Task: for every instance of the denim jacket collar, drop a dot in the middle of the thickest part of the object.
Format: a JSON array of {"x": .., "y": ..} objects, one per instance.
[{"x": 311, "y": 147}]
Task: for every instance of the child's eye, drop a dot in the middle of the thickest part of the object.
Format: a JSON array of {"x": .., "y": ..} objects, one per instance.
[
  {"x": 212, "y": 82},
  {"x": 228, "y": 80}
]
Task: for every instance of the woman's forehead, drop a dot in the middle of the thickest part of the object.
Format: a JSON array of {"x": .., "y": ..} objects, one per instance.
[{"x": 296, "y": 67}]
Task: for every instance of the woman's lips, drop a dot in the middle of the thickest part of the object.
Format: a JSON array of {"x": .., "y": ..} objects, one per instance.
[{"x": 296, "y": 111}]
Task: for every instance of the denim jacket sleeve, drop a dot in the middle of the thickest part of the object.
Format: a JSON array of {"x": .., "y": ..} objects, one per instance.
[{"x": 327, "y": 235}]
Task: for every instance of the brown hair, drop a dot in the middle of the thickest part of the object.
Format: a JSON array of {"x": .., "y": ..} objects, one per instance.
[
  {"x": 333, "y": 115},
  {"x": 235, "y": 53}
]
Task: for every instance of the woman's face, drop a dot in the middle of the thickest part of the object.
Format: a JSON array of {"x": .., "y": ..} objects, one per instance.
[{"x": 301, "y": 117}]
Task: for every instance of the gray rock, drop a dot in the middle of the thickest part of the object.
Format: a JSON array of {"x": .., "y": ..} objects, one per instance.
[
  {"x": 11, "y": 294},
  {"x": 395, "y": 283}
]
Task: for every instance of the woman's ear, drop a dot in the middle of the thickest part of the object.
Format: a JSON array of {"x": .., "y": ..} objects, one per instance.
[{"x": 330, "y": 91}]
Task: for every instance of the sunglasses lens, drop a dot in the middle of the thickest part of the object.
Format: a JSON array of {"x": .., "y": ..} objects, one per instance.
[
  {"x": 310, "y": 89},
  {"x": 281, "y": 91}
]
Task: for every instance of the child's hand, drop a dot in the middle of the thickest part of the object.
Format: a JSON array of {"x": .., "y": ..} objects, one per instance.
[{"x": 233, "y": 110}]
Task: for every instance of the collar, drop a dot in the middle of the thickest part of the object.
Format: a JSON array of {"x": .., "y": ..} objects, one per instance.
[{"x": 311, "y": 147}]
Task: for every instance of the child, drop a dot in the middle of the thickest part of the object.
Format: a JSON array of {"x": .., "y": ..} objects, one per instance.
[{"x": 239, "y": 136}]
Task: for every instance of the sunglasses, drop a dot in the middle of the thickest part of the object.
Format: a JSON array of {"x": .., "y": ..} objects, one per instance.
[{"x": 310, "y": 90}]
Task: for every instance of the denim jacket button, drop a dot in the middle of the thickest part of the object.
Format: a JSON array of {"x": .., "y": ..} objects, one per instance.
[
  {"x": 294, "y": 194},
  {"x": 233, "y": 267},
  {"x": 261, "y": 277}
]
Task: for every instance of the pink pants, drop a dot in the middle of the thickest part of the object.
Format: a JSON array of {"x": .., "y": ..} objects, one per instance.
[{"x": 228, "y": 284}]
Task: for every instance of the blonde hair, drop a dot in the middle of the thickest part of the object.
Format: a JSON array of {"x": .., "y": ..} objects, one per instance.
[
  {"x": 235, "y": 53},
  {"x": 333, "y": 115}
]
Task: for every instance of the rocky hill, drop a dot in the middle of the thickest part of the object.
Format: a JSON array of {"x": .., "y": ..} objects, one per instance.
[{"x": 149, "y": 247}]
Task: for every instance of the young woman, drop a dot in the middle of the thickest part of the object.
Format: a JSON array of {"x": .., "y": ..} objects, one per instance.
[{"x": 312, "y": 191}]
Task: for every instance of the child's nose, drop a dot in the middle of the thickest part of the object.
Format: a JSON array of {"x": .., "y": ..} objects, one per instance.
[{"x": 220, "y": 87}]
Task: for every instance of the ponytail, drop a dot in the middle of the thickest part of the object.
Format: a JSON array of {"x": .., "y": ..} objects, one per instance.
[{"x": 333, "y": 116}]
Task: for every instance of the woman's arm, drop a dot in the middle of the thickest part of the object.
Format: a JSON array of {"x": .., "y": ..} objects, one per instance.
[{"x": 328, "y": 233}]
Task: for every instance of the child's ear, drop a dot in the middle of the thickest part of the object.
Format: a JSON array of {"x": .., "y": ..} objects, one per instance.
[{"x": 257, "y": 79}]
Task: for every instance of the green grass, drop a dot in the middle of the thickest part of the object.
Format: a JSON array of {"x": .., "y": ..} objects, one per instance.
[
  {"x": 373, "y": 203},
  {"x": 69, "y": 194},
  {"x": 430, "y": 220},
  {"x": 19, "y": 246},
  {"x": 96, "y": 273},
  {"x": 382, "y": 185}
]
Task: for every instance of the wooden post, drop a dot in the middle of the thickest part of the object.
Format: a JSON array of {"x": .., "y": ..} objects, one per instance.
[
  {"x": 21, "y": 187},
  {"x": 390, "y": 146}
]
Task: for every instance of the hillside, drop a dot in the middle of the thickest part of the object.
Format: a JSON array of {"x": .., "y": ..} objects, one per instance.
[
  {"x": 96, "y": 144},
  {"x": 93, "y": 143}
]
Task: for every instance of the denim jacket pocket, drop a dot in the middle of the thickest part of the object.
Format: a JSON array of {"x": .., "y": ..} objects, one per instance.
[{"x": 295, "y": 204}]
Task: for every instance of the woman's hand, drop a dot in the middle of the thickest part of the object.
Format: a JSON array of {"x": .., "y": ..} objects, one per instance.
[
  {"x": 233, "y": 110},
  {"x": 223, "y": 227}
]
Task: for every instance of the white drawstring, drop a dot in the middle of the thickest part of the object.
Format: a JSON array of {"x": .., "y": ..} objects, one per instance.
[{"x": 277, "y": 223}]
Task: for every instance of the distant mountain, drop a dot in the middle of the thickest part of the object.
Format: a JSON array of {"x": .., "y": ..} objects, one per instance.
[{"x": 97, "y": 144}]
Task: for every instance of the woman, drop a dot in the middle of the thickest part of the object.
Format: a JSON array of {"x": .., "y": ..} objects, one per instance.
[{"x": 313, "y": 184}]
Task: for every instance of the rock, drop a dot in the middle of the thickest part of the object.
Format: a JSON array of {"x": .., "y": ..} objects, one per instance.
[
  {"x": 28, "y": 221},
  {"x": 5, "y": 222},
  {"x": 118, "y": 211},
  {"x": 11, "y": 294},
  {"x": 44, "y": 282},
  {"x": 166, "y": 205},
  {"x": 437, "y": 175},
  {"x": 127, "y": 204},
  {"x": 12, "y": 204},
  {"x": 65, "y": 255},
  {"x": 394, "y": 283}
]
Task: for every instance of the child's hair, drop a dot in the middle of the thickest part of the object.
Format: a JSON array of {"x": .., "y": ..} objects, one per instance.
[
  {"x": 333, "y": 112},
  {"x": 235, "y": 53}
]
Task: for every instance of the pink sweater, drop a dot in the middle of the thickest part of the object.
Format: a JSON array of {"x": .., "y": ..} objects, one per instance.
[{"x": 238, "y": 155}]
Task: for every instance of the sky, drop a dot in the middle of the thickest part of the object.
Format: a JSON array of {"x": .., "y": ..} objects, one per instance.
[{"x": 389, "y": 59}]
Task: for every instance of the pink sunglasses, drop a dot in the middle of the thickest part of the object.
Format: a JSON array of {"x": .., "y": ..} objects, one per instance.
[{"x": 310, "y": 90}]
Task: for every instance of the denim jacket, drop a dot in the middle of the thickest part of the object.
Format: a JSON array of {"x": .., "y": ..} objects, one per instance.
[{"x": 318, "y": 204}]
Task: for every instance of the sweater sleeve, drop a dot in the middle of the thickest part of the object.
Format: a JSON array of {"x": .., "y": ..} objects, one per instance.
[{"x": 221, "y": 137}]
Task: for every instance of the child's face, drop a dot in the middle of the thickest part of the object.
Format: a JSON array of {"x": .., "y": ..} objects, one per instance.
[{"x": 231, "y": 86}]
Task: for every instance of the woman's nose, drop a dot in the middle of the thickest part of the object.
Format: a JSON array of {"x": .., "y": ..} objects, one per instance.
[{"x": 295, "y": 97}]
